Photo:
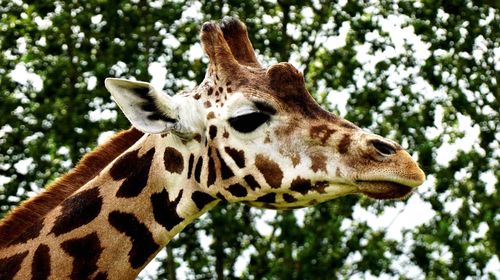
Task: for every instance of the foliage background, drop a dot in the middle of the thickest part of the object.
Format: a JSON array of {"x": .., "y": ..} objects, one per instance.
[{"x": 424, "y": 73}]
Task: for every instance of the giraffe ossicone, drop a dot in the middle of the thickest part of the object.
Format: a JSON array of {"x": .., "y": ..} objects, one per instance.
[{"x": 246, "y": 134}]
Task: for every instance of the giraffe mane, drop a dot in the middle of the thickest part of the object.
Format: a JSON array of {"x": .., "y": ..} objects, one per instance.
[{"x": 29, "y": 212}]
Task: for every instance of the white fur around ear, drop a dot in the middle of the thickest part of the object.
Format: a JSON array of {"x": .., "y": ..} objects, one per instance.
[{"x": 149, "y": 110}]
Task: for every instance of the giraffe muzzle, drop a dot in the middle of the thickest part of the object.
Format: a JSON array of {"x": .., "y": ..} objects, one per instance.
[
  {"x": 395, "y": 176},
  {"x": 384, "y": 189}
]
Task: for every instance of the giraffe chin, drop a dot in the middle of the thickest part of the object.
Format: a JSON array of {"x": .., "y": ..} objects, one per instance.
[{"x": 384, "y": 189}]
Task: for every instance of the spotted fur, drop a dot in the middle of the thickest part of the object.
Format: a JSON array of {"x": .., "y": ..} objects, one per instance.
[
  {"x": 40, "y": 267},
  {"x": 238, "y": 156},
  {"x": 174, "y": 161},
  {"x": 165, "y": 211},
  {"x": 78, "y": 210},
  {"x": 85, "y": 252},
  {"x": 124, "y": 202},
  {"x": 201, "y": 199},
  {"x": 32, "y": 211},
  {"x": 237, "y": 190},
  {"x": 270, "y": 170},
  {"x": 11, "y": 265},
  {"x": 136, "y": 175},
  {"x": 143, "y": 244}
]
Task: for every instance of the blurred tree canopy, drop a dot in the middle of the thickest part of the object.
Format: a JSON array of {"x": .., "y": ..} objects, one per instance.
[{"x": 424, "y": 73}]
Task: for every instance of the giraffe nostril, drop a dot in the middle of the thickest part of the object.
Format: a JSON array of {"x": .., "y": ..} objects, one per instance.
[{"x": 383, "y": 148}]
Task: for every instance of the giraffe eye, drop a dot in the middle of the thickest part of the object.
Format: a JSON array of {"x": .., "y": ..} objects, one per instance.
[{"x": 248, "y": 122}]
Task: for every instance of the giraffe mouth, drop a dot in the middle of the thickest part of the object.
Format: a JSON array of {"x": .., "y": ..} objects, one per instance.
[{"x": 384, "y": 189}]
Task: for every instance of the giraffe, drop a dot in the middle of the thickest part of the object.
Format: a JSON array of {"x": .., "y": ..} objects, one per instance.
[{"x": 246, "y": 134}]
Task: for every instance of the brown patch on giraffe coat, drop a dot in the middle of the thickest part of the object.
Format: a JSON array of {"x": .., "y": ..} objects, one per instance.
[
  {"x": 289, "y": 198},
  {"x": 212, "y": 132},
  {"x": 197, "y": 169},
  {"x": 174, "y": 161},
  {"x": 101, "y": 276},
  {"x": 210, "y": 91},
  {"x": 207, "y": 104},
  {"x": 221, "y": 197},
  {"x": 267, "y": 198},
  {"x": 210, "y": 115},
  {"x": 11, "y": 265},
  {"x": 201, "y": 199},
  {"x": 40, "y": 267},
  {"x": 190, "y": 166},
  {"x": 165, "y": 211},
  {"x": 78, "y": 210},
  {"x": 211, "y": 169},
  {"x": 225, "y": 170},
  {"x": 238, "y": 156},
  {"x": 321, "y": 132},
  {"x": 135, "y": 169},
  {"x": 226, "y": 134},
  {"x": 143, "y": 244},
  {"x": 318, "y": 161},
  {"x": 344, "y": 144},
  {"x": 237, "y": 190},
  {"x": 85, "y": 252},
  {"x": 301, "y": 185},
  {"x": 122, "y": 166},
  {"x": 270, "y": 170},
  {"x": 251, "y": 182},
  {"x": 32, "y": 210}
]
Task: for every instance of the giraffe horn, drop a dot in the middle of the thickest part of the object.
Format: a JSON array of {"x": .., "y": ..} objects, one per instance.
[
  {"x": 236, "y": 35},
  {"x": 217, "y": 49}
]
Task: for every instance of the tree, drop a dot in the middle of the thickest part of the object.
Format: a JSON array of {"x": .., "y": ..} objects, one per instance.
[{"x": 424, "y": 73}]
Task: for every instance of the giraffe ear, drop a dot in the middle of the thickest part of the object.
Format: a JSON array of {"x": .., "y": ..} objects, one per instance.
[{"x": 148, "y": 109}]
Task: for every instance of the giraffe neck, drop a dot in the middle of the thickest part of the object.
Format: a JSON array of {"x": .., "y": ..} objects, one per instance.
[{"x": 116, "y": 223}]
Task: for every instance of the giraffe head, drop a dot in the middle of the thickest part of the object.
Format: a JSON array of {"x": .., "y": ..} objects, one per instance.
[{"x": 256, "y": 135}]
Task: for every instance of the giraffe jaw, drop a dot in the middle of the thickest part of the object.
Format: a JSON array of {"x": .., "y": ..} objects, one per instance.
[
  {"x": 384, "y": 189},
  {"x": 395, "y": 178}
]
